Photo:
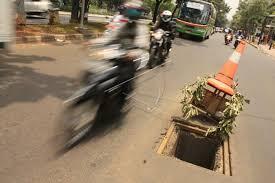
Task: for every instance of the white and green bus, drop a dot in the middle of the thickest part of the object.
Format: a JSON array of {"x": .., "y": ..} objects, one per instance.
[{"x": 196, "y": 18}]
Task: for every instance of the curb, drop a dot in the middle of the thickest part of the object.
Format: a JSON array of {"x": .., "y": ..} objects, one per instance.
[
  {"x": 103, "y": 16},
  {"x": 260, "y": 49},
  {"x": 44, "y": 38},
  {"x": 91, "y": 15},
  {"x": 255, "y": 46}
]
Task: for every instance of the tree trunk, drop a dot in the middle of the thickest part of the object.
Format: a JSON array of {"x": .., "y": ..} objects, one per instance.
[
  {"x": 109, "y": 6},
  {"x": 174, "y": 11},
  {"x": 75, "y": 11},
  {"x": 158, "y": 2},
  {"x": 65, "y": 2},
  {"x": 20, "y": 13},
  {"x": 86, "y": 11}
]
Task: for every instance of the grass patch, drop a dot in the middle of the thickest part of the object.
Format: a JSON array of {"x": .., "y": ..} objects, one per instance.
[
  {"x": 92, "y": 9},
  {"x": 100, "y": 11}
]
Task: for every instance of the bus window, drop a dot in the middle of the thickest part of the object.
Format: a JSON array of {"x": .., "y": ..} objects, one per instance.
[{"x": 195, "y": 12}]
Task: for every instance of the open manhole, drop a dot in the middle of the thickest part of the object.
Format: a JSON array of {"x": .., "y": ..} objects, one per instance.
[
  {"x": 192, "y": 147},
  {"x": 2, "y": 45}
]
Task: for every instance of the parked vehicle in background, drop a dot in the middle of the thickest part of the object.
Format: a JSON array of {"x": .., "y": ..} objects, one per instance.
[
  {"x": 226, "y": 30},
  {"x": 6, "y": 24},
  {"x": 218, "y": 29},
  {"x": 38, "y": 7},
  {"x": 196, "y": 18},
  {"x": 57, "y": 3}
]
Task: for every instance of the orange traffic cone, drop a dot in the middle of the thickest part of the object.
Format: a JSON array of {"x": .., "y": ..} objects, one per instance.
[{"x": 224, "y": 79}]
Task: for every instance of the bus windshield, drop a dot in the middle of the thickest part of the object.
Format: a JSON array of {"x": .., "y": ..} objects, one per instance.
[{"x": 195, "y": 12}]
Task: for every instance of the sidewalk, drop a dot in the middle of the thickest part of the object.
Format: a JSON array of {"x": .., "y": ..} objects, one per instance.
[{"x": 263, "y": 48}]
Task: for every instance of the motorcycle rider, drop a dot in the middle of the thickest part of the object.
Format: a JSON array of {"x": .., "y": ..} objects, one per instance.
[
  {"x": 109, "y": 83},
  {"x": 126, "y": 36},
  {"x": 228, "y": 33},
  {"x": 166, "y": 23},
  {"x": 118, "y": 19}
]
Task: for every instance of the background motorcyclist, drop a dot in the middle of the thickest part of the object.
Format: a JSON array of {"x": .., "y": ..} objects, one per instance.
[
  {"x": 127, "y": 34},
  {"x": 118, "y": 19},
  {"x": 166, "y": 23},
  {"x": 230, "y": 32}
]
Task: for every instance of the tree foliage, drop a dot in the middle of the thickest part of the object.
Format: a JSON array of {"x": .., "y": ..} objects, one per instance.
[
  {"x": 110, "y": 5},
  {"x": 157, "y": 6},
  {"x": 164, "y": 5},
  {"x": 222, "y": 10},
  {"x": 251, "y": 13}
]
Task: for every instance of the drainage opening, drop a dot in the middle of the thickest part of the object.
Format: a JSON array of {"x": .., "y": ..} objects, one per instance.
[
  {"x": 2, "y": 45},
  {"x": 192, "y": 147},
  {"x": 196, "y": 149}
]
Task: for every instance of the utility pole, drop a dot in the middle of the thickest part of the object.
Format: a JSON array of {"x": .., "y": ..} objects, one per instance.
[{"x": 82, "y": 14}]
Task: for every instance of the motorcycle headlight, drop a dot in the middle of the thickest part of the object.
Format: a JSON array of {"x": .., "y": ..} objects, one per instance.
[{"x": 157, "y": 36}]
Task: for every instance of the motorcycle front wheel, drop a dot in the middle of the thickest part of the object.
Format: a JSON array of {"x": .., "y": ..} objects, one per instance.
[
  {"x": 153, "y": 60},
  {"x": 235, "y": 45},
  {"x": 165, "y": 51},
  {"x": 77, "y": 121}
]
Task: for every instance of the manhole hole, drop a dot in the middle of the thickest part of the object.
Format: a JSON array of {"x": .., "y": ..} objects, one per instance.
[
  {"x": 2, "y": 45},
  {"x": 197, "y": 149}
]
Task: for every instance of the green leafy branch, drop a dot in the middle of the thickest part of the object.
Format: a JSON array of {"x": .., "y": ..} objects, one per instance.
[
  {"x": 232, "y": 110},
  {"x": 193, "y": 93}
]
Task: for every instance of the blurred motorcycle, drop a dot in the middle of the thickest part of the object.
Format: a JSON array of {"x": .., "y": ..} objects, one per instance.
[
  {"x": 106, "y": 84},
  {"x": 228, "y": 39}
]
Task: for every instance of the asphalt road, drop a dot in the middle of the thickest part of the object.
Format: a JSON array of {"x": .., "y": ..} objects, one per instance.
[{"x": 37, "y": 78}]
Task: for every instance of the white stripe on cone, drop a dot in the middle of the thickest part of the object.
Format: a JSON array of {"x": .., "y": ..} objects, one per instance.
[{"x": 235, "y": 57}]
